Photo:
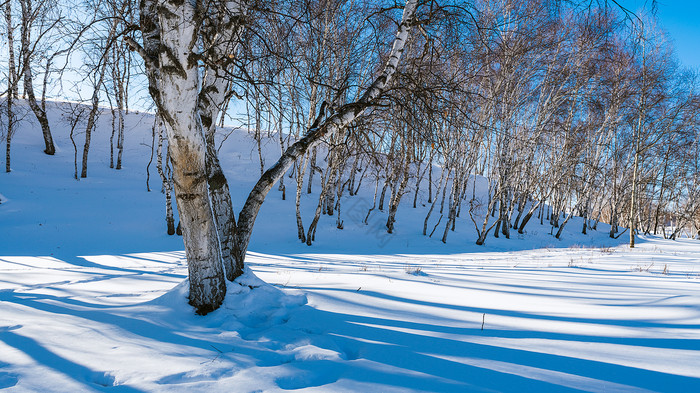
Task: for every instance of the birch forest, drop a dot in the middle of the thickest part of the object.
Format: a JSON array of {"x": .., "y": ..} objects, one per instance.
[{"x": 558, "y": 109}]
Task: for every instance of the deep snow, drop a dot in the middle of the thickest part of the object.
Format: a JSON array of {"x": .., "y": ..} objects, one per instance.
[{"x": 93, "y": 294}]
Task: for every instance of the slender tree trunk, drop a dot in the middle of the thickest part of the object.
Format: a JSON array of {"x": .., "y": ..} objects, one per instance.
[
  {"x": 222, "y": 208},
  {"x": 120, "y": 119},
  {"x": 212, "y": 96},
  {"x": 636, "y": 145},
  {"x": 563, "y": 224},
  {"x": 633, "y": 202},
  {"x": 258, "y": 131},
  {"x": 326, "y": 181},
  {"x": 419, "y": 177},
  {"x": 342, "y": 117},
  {"x": 395, "y": 199},
  {"x": 312, "y": 169},
  {"x": 430, "y": 176},
  {"x": 374, "y": 202},
  {"x": 613, "y": 224},
  {"x": 150, "y": 160},
  {"x": 10, "y": 131},
  {"x": 432, "y": 204},
  {"x": 164, "y": 178},
  {"x": 353, "y": 172},
  {"x": 452, "y": 208},
  {"x": 111, "y": 136},
  {"x": 12, "y": 85},
  {"x": 362, "y": 177},
  {"x": 74, "y": 123},
  {"x": 28, "y": 77},
  {"x": 383, "y": 193},
  {"x": 661, "y": 192},
  {"x": 301, "y": 171},
  {"x": 94, "y": 112},
  {"x": 91, "y": 121},
  {"x": 528, "y": 216}
]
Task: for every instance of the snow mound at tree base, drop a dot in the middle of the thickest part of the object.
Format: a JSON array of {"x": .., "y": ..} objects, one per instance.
[{"x": 250, "y": 305}]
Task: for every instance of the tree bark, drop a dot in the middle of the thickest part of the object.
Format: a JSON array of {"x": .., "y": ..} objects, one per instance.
[
  {"x": 164, "y": 178},
  {"x": 12, "y": 85},
  {"x": 225, "y": 31},
  {"x": 168, "y": 29}
]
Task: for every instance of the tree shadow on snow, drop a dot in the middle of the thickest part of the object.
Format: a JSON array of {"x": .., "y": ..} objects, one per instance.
[
  {"x": 432, "y": 357},
  {"x": 398, "y": 354}
]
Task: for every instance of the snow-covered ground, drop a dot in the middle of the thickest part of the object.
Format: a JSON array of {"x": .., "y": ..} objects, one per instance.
[{"x": 93, "y": 295}]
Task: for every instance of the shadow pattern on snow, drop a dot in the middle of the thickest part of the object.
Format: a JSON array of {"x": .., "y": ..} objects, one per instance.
[{"x": 270, "y": 336}]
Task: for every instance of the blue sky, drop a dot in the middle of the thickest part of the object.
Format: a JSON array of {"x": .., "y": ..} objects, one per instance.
[{"x": 681, "y": 18}]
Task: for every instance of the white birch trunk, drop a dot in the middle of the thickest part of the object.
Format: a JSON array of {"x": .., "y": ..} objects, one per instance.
[
  {"x": 179, "y": 97},
  {"x": 345, "y": 115},
  {"x": 223, "y": 38},
  {"x": 27, "y": 15},
  {"x": 11, "y": 86}
]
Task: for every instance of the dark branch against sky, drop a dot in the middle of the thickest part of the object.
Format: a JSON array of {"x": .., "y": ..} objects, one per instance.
[{"x": 681, "y": 19}]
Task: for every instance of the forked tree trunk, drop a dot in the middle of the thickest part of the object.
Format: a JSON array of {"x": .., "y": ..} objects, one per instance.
[
  {"x": 119, "y": 80},
  {"x": 168, "y": 30}
]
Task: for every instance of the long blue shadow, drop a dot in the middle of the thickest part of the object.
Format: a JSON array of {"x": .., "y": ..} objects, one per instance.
[{"x": 99, "y": 380}]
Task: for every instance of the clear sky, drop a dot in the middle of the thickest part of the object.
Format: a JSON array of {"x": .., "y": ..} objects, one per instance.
[{"x": 681, "y": 18}]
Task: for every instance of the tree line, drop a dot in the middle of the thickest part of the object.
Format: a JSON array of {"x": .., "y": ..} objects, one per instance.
[{"x": 556, "y": 108}]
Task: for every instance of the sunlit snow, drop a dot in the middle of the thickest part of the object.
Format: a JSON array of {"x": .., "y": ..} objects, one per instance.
[{"x": 93, "y": 294}]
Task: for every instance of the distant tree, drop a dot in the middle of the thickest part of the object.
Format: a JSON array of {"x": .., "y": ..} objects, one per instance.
[
  {"x": 12, "y": 83},
  {"x": 40, "y": 20}
]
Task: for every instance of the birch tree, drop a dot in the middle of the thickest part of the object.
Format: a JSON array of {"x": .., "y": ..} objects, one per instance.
[
  {"x": 39, "y": 21},
  {"x": 172, "y": 36}
]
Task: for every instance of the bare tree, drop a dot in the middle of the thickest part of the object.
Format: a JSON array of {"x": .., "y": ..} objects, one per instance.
[{"x": 38, "y": 19}]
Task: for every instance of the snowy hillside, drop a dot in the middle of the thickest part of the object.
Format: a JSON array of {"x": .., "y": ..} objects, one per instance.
[
  {"x": 111, "y": 211},
  {"x": 93, "y": 293}
]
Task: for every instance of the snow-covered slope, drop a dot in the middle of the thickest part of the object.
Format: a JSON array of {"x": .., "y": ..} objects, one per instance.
[
  {"x": 111, "y": 211},
  {"x": 93, "y": 297}
]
